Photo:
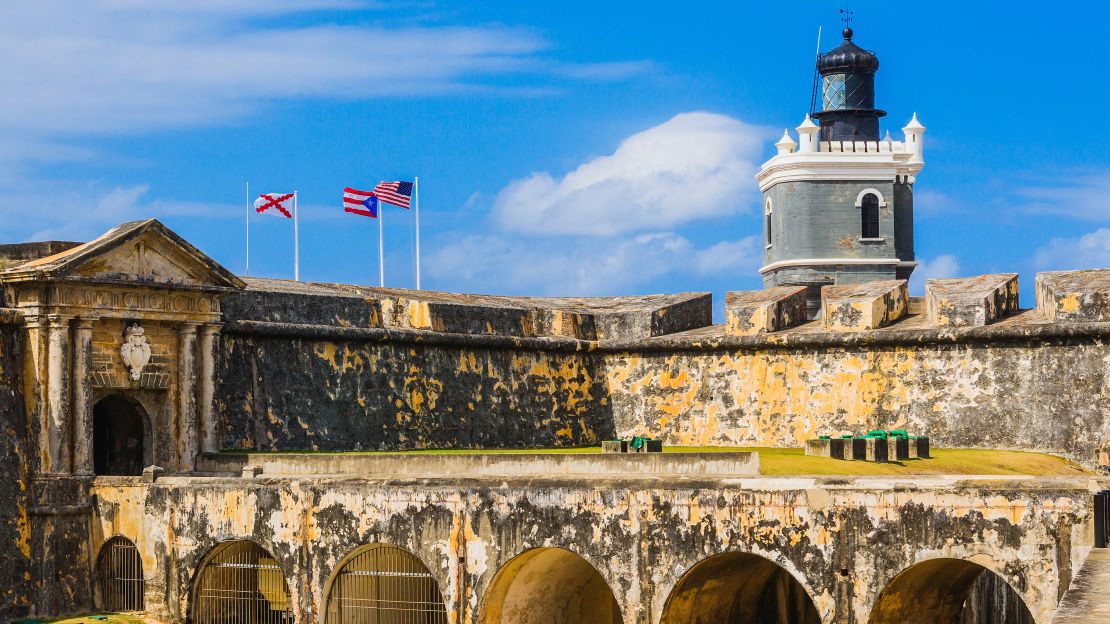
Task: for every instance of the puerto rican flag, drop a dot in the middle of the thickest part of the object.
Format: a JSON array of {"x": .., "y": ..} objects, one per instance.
[
  {"x": 358, "y": 202},
  {"x": 276, "y": 204}
]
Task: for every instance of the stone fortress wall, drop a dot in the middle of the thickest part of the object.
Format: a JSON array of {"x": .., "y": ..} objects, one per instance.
[
  {"x": 256, "y": 364},
  {"x": 325, "y": 367}
]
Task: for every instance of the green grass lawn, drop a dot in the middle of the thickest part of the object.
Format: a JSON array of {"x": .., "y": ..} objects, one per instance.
[
  {"x": 793, "y": 461},
  {"x": 103, "y": 618}
]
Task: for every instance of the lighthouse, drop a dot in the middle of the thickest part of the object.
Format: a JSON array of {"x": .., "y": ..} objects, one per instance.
[{"x": 838, "y": 199}]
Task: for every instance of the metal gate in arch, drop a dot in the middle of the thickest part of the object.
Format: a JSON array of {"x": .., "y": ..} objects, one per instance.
[
  {"x": 119, "y": 576},
  {"x": 241, "y": 583},
  {"x": 383, "y": 584}
]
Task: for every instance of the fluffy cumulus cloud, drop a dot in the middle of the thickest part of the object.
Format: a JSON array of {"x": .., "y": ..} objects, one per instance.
[
  {"x": 1085, "y": 252},
  {"x": 613, "y": 225},
  {"x": 694, "y": 166},
  {"x": 945, "y": 265}
]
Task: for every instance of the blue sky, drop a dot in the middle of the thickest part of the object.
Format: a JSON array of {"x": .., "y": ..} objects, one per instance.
[{"x": 112, "y": 110}]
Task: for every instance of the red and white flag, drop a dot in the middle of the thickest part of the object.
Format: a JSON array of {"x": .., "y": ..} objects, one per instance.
[{"x": 276, "y": 204}]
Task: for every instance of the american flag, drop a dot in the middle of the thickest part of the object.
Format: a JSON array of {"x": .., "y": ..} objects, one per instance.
[
  {"x": 360, "y": 202},
  {"x": 397, "y": 193}
]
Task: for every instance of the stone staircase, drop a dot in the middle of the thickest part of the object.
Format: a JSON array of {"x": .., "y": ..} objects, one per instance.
[{"x": 1088, "y": 599}]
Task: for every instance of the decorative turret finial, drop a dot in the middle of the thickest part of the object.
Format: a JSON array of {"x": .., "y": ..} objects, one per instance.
[
  {"x": 786, "y": 144},
  {"x": 846, "y": 17}
]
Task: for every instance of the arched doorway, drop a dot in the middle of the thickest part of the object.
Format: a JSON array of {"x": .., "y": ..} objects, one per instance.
[
  {"x": 119, "y": 576},
  {"x": 549, "y": 586},
  {"x": 383, "y": 584},
  {"x": 949, "y": 591},
  {"x": 119, "y": 436},
  {"x": 240, "y": 583},
  {"x": 735, "y": 588}
]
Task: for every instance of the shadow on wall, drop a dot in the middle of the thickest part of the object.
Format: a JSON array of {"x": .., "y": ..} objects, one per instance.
[{"x": 949, "y": 590}]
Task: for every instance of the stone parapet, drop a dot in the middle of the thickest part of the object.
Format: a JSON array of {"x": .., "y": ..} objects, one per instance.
[
  {"x": 857, "y": 307},
  {"x": 971, "y": 301},
  {"x": 753, "y": 312},
  {"x": 1074, "y": 296}
]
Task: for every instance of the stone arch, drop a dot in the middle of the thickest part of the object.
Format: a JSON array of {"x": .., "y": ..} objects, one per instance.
[
  {"x": 122, "y": 443},
  {"x": 549, "y": 586},
  {"x": 382, "y": 583},
  {"x": 120, "y": 584},
  {"x": 949, "y": 591},
  {"x": 739, "y": 587},
  {"x": 240, "y": 577},
  {"x": 870, "y": 191}
]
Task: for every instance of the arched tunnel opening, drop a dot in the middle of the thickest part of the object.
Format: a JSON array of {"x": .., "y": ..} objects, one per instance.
[
  {"x": 549, "y": 586},
  {"x": 949, "y": 591},
  {"x": 739, "y": 588}
]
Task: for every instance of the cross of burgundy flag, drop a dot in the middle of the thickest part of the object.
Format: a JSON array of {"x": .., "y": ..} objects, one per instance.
[
  {"x": 398, "y": 193},
  {"x": 276, "y": 204},
  {"x": 358, "y": 202}
]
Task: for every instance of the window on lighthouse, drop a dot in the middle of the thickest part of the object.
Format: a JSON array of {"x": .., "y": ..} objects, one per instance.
[
  {"x": 833, "y": 92},
  {"x": 767, "y": 212},
  {"x": 869, "y": 216}
]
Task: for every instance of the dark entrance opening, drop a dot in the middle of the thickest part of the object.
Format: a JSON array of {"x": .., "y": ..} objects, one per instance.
[
  {"x": 118, "y": 437},
  {"x": 739, "y": 588}
]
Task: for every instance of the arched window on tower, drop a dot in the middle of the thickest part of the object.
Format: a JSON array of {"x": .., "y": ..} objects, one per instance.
[
  {"x": 767, "y": 217},
  {"x": 869, "y": 216}
]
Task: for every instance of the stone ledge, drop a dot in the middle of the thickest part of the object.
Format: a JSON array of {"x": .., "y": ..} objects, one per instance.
[
  {"x": 1074, "y": 296},
  {"x": 859, "y": 307},
  {"x": 971, "y": 301},
  {"x": 753, "y": 312},
  {"x": 481, "y": 465}
]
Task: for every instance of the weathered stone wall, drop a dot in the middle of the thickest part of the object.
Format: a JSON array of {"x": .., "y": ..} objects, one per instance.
[
  {"x": 993, "y": 389},
  {"x": 373, "y": 391},
  {"x": 1018, "y": 384},
  {"x": 15, "y": 522},
  {"x": 844, "y": 540}
]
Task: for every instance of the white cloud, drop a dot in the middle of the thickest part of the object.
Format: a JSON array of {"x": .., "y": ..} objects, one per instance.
[
  {"x": 1084, "y": 197},
  {"x": 582, "y": 266},
  {"x": 694, "y": 166},
  {"x": 945, "y": 265},
  {"x": 78, "y": 66},
  {"x": 82, "y": 213},
  {"x": 1091, "y": 250}
]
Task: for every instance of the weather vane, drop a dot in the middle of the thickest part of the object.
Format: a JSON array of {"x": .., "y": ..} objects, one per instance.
[{"x": 846, "y": 17}]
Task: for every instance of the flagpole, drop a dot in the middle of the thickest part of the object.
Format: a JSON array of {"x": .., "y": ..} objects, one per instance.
[
  {"x": 416, "y": 210},
  {"x": 248, "y": 269},
  {"x": 381, "y": 246},
  {"x": 296, "y": 242}
]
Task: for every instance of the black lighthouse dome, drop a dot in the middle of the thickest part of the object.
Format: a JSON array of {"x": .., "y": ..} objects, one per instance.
[{"x": 848, "y": 110}]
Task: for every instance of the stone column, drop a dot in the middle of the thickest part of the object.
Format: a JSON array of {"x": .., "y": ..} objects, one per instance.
[
  {"x": 210, "y": 439},
  {"x": 82, "y": 399},
  {"x": 187, "y": 429},
  {"x": 35, "y": 368},
  {"x": 57, "y": 459}
]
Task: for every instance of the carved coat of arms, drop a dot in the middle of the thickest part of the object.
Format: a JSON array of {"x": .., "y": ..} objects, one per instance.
[{"x": 135, "y": 350}]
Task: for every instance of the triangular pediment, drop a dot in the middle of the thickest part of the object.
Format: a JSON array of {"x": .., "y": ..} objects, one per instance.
[{"x": 144, "y": 252}]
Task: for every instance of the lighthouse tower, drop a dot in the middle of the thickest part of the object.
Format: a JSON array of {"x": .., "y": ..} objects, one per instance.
[{"x": 838, "y": 200}]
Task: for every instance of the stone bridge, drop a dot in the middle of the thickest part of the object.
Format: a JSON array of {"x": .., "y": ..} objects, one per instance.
[{"x": 564, "y": 539}]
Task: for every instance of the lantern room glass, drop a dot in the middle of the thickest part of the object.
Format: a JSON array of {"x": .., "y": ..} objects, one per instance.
[{"x": 834, "y": 92}]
